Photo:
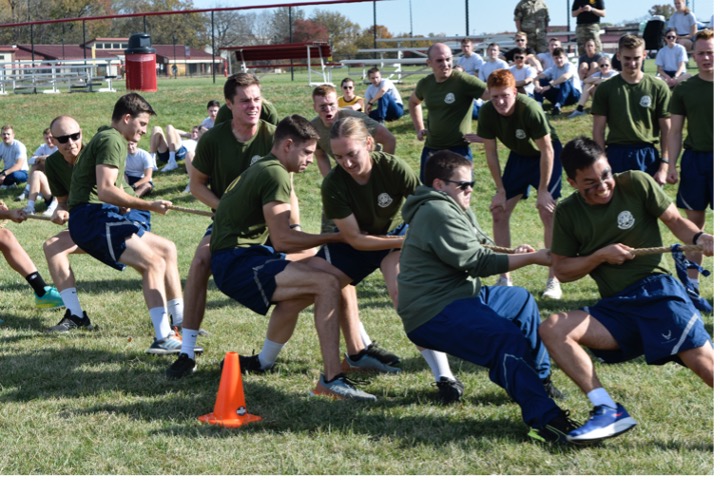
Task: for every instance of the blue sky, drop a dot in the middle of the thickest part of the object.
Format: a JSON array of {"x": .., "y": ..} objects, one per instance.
[{"x": 448, "y": 16}]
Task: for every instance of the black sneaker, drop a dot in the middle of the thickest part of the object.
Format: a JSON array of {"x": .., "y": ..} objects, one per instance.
[
  {"x": 70, "y": 322},
  {"x": 183, "y": 366},
  {"x": 552, "y": 391},
  {"x": 555, "y": 111},
  {"x": 250, "y": 364},
  {"x": 556, "y": 430},
  {"x": 384, "y": 356},
  {"x": 449, "y": 390}
]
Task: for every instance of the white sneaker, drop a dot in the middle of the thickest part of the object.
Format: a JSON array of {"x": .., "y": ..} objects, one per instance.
[
  {"x": 51, "y": 207},
  {"x": 20, "y": 197},
  {"x": 187, "y": 189},
  {"x": 169, "y": 167},
  {"x": 503, "y": 282},
  {"x": 576, "y": 113},
  {"x": 28, "y": 210},
  {"x": 552, "y": 289}
]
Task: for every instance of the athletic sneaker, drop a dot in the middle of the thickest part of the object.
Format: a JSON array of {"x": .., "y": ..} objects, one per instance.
[
  {"x": 551, "y": 390},
  {"x": 183, "y": 366},
  {"x": 503, "y": 282},
  {"x": 51, "y": 207},
  {"x": 576, "y": 113},
  {"x": 555, "y": 111},
  {"x": 368, "y": 361},
  {"x": 169, "y": 167},
  {"x": 383, "y": 355},
  {"x": 341, "y": 388},
  {"x": 51, "y": 299},
  {"x": 556, "y": 431},
  {"x": 21, "y": 197},
  {"x": 604, "y": 422},
  {"x": 250, "y": 365},
  {"x": 552, "y": 289},
  {"x": 449, "y": 390},
  {"x": 169, "y": 345},
  {"x": 28, "y": 210},
  {"x": 70, "y": 322}
]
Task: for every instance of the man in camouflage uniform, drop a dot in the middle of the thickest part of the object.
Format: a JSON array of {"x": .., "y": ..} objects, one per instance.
[
  {"x": 588, "y": 13},
  {"x": 532, "y": 17}
]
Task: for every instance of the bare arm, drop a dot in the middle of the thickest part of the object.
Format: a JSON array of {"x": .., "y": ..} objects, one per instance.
[
  {"x": 674, "y": 143},
  {"x": 323, "y": 162},
  {"x": 661, "y": 174},
  {"x": 199, "y": 187},
  {"x": 547, "y": 155},
  {"x": 415, "y": 108},
  {"x": 109, "y": 193},
  {"x": 386, "y": 138},
  {"x": 361, "y": 241},
  {"x": 284, "y": 238},
  {"x": 598, "y": 130},
  {"x": 569, "y": 269}
]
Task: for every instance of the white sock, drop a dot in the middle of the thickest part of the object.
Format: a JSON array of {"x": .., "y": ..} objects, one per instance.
[
  {"x": 438, "y": 363},
  {"x": 694, "y": 281},
  {"x": 160, "y": 322},
  {"x": 269, "y": 353},
  {"x": 71, "y": 301},
  {"x": 600, "y": 397},
  {"x": 175, "y": 309},
  {"x": 364, "y": 335},
  {"x": 31, "y": 205},
  {"x": 189, "y": 338},
  {"x": 172, "y": 157}
]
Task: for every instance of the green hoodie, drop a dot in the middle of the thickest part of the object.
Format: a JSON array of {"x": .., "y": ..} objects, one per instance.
[{"x": 442, "y": 256}]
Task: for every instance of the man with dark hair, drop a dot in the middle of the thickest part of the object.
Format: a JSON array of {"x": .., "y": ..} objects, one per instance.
[
  {"x": 444, "y": 305},
  {"x": 634, "y": 108},
  {"x": 563, "y": 87},
  {"x": 111, "y": 225},
  {"x": 382, "y": 99},
  {"x": 643, "y": 309},
  {"x": 256, "y": 207}
]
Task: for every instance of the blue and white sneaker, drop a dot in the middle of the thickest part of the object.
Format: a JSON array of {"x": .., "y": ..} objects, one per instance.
[
  {"x": 605, "y": 422},
  {"x": 169, "y": 345}
]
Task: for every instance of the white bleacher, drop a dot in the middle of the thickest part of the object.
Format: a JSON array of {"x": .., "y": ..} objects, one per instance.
[{"x": 54, "y": 77}]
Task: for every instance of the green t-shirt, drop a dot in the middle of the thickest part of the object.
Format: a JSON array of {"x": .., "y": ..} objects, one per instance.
[
  {"x": 632, "y": 110},
  {"x": 239, "y": 220},
  {"x": 518, "y": 130},
  {"x": 694, "y": 100},
  {"x": 449, "y": 108},
  {"x": 324, "y": 132},
  {"x": 223, "y": 158},
  {"x": 376, "y": 204},
  {"x": 107, "y": 147},
  {"x": 630, "y": 218},
  {"x": 59, "y": 174},
  {"x": 268, "y": 113}
]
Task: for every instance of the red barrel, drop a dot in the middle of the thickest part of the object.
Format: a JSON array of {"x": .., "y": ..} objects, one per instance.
[{"x": 140, "y": 64}]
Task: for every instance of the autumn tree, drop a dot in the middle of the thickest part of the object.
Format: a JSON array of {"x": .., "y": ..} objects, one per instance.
[{"x": 664, "y": 10}]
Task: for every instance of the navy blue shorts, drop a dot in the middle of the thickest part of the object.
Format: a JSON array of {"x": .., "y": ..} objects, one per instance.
[
  {"x": 696, "y": 180},
  {"x": 101, "y": 230},
  {"x": 640, "y": 157},
  {"x": 248, "y": 275},
  {"x": 134, "y": 179},
  {"x": 463, "y": 151},
  {"x": 522, "y": 172},
  {"x": 652, "y": 317},
  {"x": 356, "y": 264},
  {"x": 179, "y": 154}
]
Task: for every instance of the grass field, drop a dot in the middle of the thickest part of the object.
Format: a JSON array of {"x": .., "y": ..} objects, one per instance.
[{"x": 95, "y": 403}]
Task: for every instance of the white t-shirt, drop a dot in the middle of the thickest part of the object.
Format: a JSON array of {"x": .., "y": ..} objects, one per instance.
[
  {"x": 523, "y": 73},
  {"x": 491, "y": 66},
  {"x": 10, "y": 154},
  {"x": 208, "y": 123},
  {"x": 681, "y": 22},
  {"x": 384, "y": 84},
  {"x": 555, "y": 72},
  {"x": 189, "y": 144},
  {"x": 670, "y": 59},
  {"x": 42, "y": 150},
  {"x": 136, "y": 164},
  {"x": 471, "y": 64}
]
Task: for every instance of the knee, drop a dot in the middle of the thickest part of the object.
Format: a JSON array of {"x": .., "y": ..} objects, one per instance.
[
  {"x": 549, "y": 328},
  {"x": 200, "y": 265}
]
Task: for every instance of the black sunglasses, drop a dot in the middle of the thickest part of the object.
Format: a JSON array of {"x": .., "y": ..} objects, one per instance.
[
  {"x": 519, "y": 57},
  {"x": 347, "y": 87},
  {"x": 64, "y": 139},
  {"x": 604, "y": 65},
  {"x": 671, "y": 37},
  {"x": 463, "y": 185}
]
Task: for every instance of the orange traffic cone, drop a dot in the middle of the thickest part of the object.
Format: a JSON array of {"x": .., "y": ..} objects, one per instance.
[{"x": 230, "y": 410}]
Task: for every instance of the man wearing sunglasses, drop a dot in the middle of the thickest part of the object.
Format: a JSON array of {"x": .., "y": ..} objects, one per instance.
[
  {"x": 444, "y": 305},
  {"x": 13, "y": 153},
  {"x": 534, "y": 161}
]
